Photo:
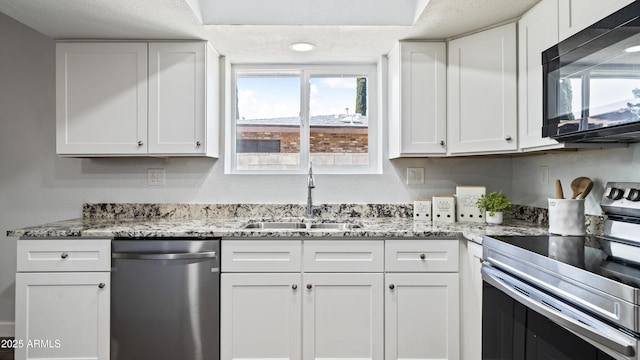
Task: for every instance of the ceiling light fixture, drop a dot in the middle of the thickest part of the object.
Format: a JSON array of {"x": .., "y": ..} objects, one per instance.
[{"x": 302, "y": 46}]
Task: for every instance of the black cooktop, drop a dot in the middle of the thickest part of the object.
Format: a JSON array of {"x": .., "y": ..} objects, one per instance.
[{"x": 589, "y": 253}]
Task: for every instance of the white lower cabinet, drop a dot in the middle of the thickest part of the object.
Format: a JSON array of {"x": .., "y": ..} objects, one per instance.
[
  {"x": 342, "y": 316},
  {"x": 337, "y": 305},
  {"x": 471, "y": 300},
  {"x": 421, "y": 316},
  {"x": 63, "y": 315},
  {"x": 261, "y": 316}
]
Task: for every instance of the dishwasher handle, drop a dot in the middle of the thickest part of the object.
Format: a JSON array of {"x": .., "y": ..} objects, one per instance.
[{"x": 160, "y": 256}]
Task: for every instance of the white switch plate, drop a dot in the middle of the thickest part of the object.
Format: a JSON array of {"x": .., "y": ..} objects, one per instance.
[
  {"x": 415, "y": 176},
  {"x": 543, "y": 175},
  {"x": 155, "y": 177}
]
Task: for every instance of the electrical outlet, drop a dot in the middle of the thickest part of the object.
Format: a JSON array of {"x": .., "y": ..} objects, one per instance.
[
  {"x": 415, "y": 176},
  {"x": 543, "y": 175},
  {"x": 156, "y": 177}
]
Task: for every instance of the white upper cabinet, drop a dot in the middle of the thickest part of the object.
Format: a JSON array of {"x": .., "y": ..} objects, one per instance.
[
  {"x": 482, "y": 92},
  {"x": 101, "y": 98},
  {"x": 417, "y": 99},
  {"x": 178, "y": 98},
  {"x": 118, "y": 99},
  {"x": 537, "y": 32},
  {"x": 575, "y": 15}
]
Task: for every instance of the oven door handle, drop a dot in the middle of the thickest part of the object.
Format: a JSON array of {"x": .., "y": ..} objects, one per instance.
[{"x": 552, "y": 309}]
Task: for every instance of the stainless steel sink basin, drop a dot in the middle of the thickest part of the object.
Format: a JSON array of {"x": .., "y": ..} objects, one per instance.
[
  {"x": 276, "y": 225},
  {"x": 294, "y": 225},
  {"x": 335, "y": 226}
]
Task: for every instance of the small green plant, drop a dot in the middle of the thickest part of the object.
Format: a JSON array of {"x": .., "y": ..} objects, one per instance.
[{"x": 494, "y": 202}]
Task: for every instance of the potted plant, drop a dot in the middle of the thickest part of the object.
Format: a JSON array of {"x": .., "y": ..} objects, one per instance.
[{"x": 494, "y": 205}]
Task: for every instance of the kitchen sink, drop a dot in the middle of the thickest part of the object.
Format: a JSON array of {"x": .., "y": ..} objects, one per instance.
[
  {"x": 335, "y": 226},
  {"x": 293, "y": 225},
  {"x": 276, "y": 225}
]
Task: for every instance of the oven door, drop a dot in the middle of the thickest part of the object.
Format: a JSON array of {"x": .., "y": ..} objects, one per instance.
[{"x": 520, "y": 321}]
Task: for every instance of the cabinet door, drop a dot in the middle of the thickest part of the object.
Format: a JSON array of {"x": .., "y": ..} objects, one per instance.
[
  {"x": 177, "y": 118},
  {"x": 576, "y": 15},
  {"x": 260, "y": 316},
  {"x": 417, "y": 99},
  {"x": 101, "y": 98},
  {"x": 536, "y": 34},
  {"x": 482, "y": 112},
  {"x": 343, "y": 316},
  {"x": 422, "y": 316},
  {"x": 63, "y": 315},
  {"x": 471, "y": 300}
]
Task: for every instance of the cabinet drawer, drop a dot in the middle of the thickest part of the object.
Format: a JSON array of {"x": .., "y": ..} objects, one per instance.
[
  {"x": 421, "y": 256},
  {"x": 343, "y": 256},
  {"x": 261, "y": 256},
  {"x": 64, "y": 255}
]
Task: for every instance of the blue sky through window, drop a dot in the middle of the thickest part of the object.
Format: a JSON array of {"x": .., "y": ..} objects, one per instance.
[{"x": 264, "y": 97}]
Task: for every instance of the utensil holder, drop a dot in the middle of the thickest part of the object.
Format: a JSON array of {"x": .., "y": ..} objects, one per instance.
[{"x": 566, "y": 217}]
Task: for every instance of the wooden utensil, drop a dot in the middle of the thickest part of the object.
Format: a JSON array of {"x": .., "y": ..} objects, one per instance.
[
  {"x": 586, "y": 191},
  {"x": 579, "y": 185},
  {"x": 559, "y": 193}
]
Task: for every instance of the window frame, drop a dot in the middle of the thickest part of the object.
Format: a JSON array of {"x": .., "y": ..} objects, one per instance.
[{"x": 306, "y": 72}]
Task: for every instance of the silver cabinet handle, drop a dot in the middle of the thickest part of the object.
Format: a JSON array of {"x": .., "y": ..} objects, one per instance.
[
  {"x": 102, "y": 285},
  {"x": 64, "y": 255},
  {"x": 294, "y": 287},
  {"x": 423, "y": 256},
  {"x": 177, "y": 256},
  {"x": 140, "y": 143},
  {"x": 392, "y": 286},
  {"x": 198, "y": 143},
  {"x": 309, "y": 286}
]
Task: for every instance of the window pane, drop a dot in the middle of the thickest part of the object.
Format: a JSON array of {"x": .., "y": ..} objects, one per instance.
[
  {"x": 339, "y": 123},
  {"x": 267, "y": 122}
]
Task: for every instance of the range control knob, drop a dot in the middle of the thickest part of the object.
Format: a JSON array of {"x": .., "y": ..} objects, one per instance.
[
  {"x": 632, "y": 194},
  {"x": 614, "y": 193}
]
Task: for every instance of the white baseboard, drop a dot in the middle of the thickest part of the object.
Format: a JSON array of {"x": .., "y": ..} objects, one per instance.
[{"x": 7, "y": 329}]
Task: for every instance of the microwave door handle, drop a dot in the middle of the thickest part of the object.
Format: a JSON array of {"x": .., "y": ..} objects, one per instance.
[{"x": 612, "y": 340}]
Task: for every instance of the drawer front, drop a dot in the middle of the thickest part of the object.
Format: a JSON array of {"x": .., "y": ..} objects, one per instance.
[
  {"x": 64, "y": 255},
  {"x": 261, "y": 256},
  {"x": 343, "y": 256},
  {"x": 422, "y": 256}
]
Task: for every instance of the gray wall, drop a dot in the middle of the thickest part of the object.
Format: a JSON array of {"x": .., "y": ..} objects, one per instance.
[{"x": 38, "y": 187}]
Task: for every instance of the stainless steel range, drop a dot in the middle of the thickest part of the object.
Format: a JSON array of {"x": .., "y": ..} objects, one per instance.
[{"x": 566, "y": 297}]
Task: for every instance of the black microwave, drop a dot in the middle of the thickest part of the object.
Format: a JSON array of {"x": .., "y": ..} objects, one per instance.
[{"x": 591, "y": 82}]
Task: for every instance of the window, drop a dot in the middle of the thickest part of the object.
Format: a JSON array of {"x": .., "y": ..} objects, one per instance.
[{"x": 284, "y": 117}]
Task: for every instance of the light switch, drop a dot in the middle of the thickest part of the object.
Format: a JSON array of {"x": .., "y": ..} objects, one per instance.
[{"x": 415, "y": 176}]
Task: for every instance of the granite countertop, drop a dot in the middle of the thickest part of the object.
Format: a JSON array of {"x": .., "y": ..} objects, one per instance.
[
  {"x": 138, "y": 220},
  {"x": 234, "y": 228}
]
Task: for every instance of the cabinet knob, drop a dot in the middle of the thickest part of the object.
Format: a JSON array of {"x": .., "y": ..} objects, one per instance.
[
  {"x": 441, "y": 142},
  {"x": 508, "y": 138},
  {"x": 102, "y": 285},
  {"x": 64, "y": 255},
  {"x": 140, "y": 143},
  {"x": 294, "y": 287},
  {"x": 423, "y": 256},
  {"x": 198, "y": 143},
  {"x": 392, "y": 286},
  {"x": 309, "y": 286}
]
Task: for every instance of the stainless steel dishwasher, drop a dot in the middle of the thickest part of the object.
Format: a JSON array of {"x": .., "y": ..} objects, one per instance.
[{"x": 165, "y": 299}]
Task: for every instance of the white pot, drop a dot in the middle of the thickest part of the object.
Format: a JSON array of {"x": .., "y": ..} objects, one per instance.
[{"x": 495, "y": 219}]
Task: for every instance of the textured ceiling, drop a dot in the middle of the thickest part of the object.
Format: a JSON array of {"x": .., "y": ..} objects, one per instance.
[{"x": 175, "y": 19}]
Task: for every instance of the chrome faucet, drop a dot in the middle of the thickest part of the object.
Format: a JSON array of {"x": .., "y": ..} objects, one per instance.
[{"x": 311, "y": 183}]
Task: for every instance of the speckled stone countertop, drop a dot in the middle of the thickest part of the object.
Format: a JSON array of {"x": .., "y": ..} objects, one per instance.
[{"x": 229, "y": 221}]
